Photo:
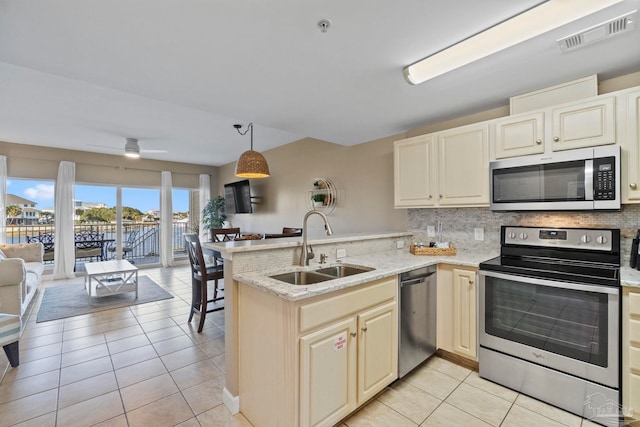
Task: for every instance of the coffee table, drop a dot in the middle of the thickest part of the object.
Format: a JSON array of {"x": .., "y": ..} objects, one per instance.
[{"x": 110, "y": 278}]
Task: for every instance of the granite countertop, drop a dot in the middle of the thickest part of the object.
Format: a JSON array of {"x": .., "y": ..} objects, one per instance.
[
  {"x": 386, "y": 264},
  {"x": 630, "y": 277}
]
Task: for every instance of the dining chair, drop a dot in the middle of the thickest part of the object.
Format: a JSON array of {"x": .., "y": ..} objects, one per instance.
[
  {"x": 225, "y": 234},
  {"x": 201, "y": 274}
]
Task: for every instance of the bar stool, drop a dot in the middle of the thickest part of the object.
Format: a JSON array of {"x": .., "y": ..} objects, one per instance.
[
  {"x": 201, "y": 274},
  {"x": 9, "y": 337}
]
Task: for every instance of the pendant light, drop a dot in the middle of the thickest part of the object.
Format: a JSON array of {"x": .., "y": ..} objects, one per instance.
[{"x": 251, "y": 164}]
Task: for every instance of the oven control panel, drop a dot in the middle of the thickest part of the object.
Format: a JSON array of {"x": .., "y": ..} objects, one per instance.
[{"x": 570, "y": 238}]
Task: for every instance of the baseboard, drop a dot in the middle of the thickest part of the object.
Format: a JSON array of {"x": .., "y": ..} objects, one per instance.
[
  {"x": 457, "y": 359},
  {"x": 231, "y": 402}
]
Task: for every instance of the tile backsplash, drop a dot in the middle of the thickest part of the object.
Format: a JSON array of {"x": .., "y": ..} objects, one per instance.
[{"x": 458, "y": 224}]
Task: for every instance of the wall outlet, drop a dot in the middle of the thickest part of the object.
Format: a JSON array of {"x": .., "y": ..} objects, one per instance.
[
  {"x": 479, "y": 233},
  {"x": 431, "y": 231},
  {"x": 400, "y": 244},
  {"x": 341, "y": 253}
]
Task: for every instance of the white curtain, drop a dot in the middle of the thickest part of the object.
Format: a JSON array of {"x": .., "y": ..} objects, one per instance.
[
  {"x": 64, "y": 246},
  {"x": 204, "y": 195},
  {"x": 3, "y": 199},
  {"x": 166, "y": 221}
]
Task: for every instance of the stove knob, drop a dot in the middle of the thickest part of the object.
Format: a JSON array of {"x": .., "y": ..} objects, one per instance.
[
  {"x": 601, "y": 239},
  {"x": 523, "y": 236},
  {"x": 585, "y": 239},
  {"x": 512, "y": 235}
]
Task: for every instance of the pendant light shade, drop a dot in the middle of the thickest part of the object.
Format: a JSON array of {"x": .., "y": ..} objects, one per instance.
[{"x": 251, "y": 164}]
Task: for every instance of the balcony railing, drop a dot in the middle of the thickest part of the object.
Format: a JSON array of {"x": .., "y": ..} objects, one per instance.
[{"x": 145, "y": 247}]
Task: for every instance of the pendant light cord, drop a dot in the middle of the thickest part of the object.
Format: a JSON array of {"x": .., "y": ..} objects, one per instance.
[{"x": 249, "y": 126}]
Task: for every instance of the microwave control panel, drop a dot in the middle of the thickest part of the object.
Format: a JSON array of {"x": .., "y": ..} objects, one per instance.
[{"x": 604, "y": 178}]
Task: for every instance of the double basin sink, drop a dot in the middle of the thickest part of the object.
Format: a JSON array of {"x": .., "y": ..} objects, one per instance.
[{"x": 320, "y": 275}]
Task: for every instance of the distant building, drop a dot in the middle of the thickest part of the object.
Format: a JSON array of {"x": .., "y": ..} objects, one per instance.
[{"x": 29, "y": 214}]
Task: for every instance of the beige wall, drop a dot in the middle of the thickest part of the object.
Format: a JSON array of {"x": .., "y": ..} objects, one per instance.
[
  {"x": 363, "y": 175},
  {"x": 35, "y": 162}
]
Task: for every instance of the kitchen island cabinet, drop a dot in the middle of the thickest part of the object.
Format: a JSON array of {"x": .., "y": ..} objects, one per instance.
[
  {"x": 312, "y": 362},
  {"x": 456, "y": 310}
]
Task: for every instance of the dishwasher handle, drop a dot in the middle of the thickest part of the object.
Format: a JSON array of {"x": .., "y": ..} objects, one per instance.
[{"x": 415, "y": 281}]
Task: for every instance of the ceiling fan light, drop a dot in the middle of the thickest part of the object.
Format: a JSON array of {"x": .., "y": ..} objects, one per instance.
[
  {"x": 132, "y": 154},
  {"x": 252, "y": 164}
]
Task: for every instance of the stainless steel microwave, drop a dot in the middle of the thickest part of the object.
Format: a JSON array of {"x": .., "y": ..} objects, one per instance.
[{"x": 582, "y": 179}]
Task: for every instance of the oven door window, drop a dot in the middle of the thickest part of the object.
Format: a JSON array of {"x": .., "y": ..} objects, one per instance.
[{"x": 568, "y": 322}]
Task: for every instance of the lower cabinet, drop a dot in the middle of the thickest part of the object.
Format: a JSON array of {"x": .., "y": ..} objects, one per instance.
[
  {"x": 631, "y": 352},
  {"x": 456, "y": 310},
  {"x": 312, "y": 362}
]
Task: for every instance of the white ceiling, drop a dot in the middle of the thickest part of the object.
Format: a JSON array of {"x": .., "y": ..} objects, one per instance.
[{"x": 177, "y": 74}]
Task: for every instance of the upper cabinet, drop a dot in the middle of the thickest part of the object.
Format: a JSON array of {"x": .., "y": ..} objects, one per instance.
[
  {"x": 584, "y": 124},
  {"x": 631, "y": 151},
  {"x": 414, "y": 160},
  {"x": 520, "y": 135},
  {"x": 576, "y": 125},
  {"x": 448, "y": 168}
]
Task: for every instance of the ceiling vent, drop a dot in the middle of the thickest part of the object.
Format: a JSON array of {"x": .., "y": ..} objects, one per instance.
[{"x": 598, "y": 32}]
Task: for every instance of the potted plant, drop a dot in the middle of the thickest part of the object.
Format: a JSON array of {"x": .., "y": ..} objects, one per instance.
[
  {"x": 318, "y": 199},
  {"x": 213, "y": 214}
]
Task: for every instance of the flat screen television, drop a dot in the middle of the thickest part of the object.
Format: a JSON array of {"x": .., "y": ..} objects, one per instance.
[{"x": 237, "y": 197}]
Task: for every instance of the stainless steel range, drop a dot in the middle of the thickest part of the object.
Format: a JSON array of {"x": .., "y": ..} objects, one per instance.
[{"x": 550, "y": 318}]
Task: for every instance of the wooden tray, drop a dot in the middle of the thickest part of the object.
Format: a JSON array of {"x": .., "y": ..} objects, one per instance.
[{"x": 432, "y": 251}]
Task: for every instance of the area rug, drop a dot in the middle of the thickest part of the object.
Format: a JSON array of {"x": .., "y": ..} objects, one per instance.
[{"x": 71, "y": 299}]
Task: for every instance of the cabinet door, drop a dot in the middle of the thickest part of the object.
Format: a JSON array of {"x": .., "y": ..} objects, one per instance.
[
  {"x": 377, "y": 349},
  {"x": 413, "y": 186},
  {"x": 464, "y": 312},
  {"x": 464, "y": 166},
  {"x": 586, "y": 124},
  {"x": 519, "y": 136},
  {"x": 632, "y": 147},
  {"x": 328, "y": 374}
]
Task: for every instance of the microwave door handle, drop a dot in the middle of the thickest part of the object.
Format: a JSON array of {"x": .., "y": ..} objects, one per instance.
[{"x": 588, "y": 179}]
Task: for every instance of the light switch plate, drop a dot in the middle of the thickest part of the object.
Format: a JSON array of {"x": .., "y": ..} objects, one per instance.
[
  {"x": 479, "y": 233},
  {"x": 341, "y": 253},
  {"x": 400, "y": 244},
  {"x": 431, "y": 231}
]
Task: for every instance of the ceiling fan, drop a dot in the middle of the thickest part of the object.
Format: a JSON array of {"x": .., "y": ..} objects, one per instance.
[{"x": 132, "y": 148}]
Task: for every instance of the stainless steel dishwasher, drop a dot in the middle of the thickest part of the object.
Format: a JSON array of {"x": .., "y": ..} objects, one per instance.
[{"x": 417, "y": 318}]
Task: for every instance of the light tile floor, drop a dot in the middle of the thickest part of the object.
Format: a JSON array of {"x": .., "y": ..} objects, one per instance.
[{"x": 146, "y": 366}]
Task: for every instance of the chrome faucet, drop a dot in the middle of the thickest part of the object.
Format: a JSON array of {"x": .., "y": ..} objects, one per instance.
[{"x": 307, "y": 250}]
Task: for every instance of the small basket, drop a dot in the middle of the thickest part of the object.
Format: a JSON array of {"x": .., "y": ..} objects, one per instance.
[{"x": 432, "y": 251}]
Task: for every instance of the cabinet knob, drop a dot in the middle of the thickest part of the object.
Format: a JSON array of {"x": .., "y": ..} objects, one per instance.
[
  {"x": 538, "y": 141},
  {"x": 364, "y": 329},
  {"x": 441, "y": 196},
  {"x": 430, "y": 196},
  {"x": 353, "y": 334},
  {"x": 556, "y": 139},
  {"x": 633, "y": 186}
]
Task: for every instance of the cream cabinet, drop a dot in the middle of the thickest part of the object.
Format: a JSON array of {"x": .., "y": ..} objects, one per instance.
[
  {"x": 576, "y": 125},
  {"x": 312, "y": 362},
  {"x": 631, "y": 151},
  {"x": 631, "y": 352},
  {"x": 448, "y": 168},
  {"x": 414, "y": 178},
  {"x": 519, "y": 136},
  {"x": 456, "y": 310}
]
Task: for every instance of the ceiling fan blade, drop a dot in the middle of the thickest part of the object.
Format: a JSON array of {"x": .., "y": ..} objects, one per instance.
[
  {"x": 152, "y": 151},
  {"x": 104, "y": 146}
]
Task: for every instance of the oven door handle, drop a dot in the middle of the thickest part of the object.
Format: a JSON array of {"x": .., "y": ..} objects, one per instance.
[{"x": 553, "y": 284}]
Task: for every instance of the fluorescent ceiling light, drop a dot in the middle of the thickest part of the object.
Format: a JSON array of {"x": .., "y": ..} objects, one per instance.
[{"x": 527, "y": 25}]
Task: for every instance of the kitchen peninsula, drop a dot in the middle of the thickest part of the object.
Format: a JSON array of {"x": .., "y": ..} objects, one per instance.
[{"x": 271, "y": 326}]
